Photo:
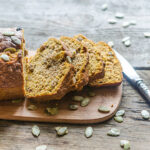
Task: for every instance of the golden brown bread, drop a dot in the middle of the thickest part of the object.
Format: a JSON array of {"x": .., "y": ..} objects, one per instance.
[
  {"x": 48, "y": 75},
  {"x": 96, "y": 65},
  {"x": 113, "y": 70},
  {"x": 79, "y": 59},
  {"x": 11, "y": 76}
]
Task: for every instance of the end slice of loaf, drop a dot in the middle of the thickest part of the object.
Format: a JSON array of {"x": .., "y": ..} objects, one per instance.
[
  {"x": 96, "y": 65},
  {"x": 79, "y": 59},
  {"x": 48, "y": 75},
  {"x": 113, "y": 70}
]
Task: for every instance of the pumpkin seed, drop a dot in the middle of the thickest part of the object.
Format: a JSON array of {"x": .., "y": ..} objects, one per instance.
[
  {"x": 145, "y": 114},
  {"x": 69, "y": 59},
  {"x": 17, "y": 101},
  {"x": 41, "y": 147},
  {"x": 104, "y": 7},
  {"x": 112, "y": 21},
  {"x": 126, "y": 146},
  {"x": 113, "y": 132},
  {"x": 132, "y": 22},
  {"x": 103, "y": 109},
  {"x": 5, "y": 57},
  {"x": 61, "y": 131},
  {"x": 85, "y": 102},
  {"x": 8, "y": 33},
  {"x": 91, "y": 94},
  {"x": 120, "y": 113},
  {"x": 11, "y": 49},
  {"x": 73, "y": 107},
  {"x": 119, "y": 15},
  {"x": 125, "y": 39},
  {"x": 111, "y": 43},
  {"x": 74, "y": 80},
  {"x": 127, "y": 43},
  {"x": 123, "y": 142},
  {"x": 16, "y": 40},
  {"x": 147, "y": 34},
  {"x": 52, "y": 110},
  {"x": 78, "y": 98},
  {"x": 118, "y": 119},
  {"x": 88, "y": 132},
  {"x": 32, "y": 107},
  {"x": 36, "y": 130},
  {"x": 125, "y": 24}
]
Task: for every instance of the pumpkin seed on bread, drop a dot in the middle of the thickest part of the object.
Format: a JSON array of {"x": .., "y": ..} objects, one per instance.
[
  {"x": 79, "y": 59},
  {"x": 48, "y": 75},
  {"x": 113, "y": 71},
  {"x": 96, "y": 65}
]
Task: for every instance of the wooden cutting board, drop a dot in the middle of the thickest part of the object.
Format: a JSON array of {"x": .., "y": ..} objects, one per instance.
[{"x": 106, "y": 96}]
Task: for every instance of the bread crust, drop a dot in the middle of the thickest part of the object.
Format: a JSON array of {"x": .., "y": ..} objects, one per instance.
[{"x": 11, "y": 72}]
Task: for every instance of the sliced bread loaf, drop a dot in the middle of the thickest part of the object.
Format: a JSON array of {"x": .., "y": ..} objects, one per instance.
[
  {"x": 78, "y": 57},
  {"x": 113, "y": 71},
  {"x": 96, "y": 65},
  {"x": 48, "y": 75}
]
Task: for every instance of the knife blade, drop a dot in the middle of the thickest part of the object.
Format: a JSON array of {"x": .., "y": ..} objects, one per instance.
[{"x": 130, "y": 73}]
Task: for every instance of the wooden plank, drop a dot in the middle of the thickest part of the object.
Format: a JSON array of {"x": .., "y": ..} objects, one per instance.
[
  {"x": 44, "y": 18},
  {"x": 16, "y": 135},
  {"x": 107, "y": 96}
]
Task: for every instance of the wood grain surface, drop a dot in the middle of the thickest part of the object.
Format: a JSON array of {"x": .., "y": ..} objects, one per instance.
[
  {"x": 44, "y": 18},
  {"x": 106, "y": 96}
]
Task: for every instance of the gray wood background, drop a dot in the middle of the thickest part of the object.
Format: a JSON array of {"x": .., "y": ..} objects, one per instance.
[{"x": 52, "y": 18}]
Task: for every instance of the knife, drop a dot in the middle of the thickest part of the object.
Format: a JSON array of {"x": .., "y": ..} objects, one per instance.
[{"x": 133, "y": 77}]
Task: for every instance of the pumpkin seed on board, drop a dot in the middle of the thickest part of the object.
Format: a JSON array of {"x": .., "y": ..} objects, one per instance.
[
  {"x": 85, "y": 102},
  {"x": 73, "y": 107},
  {"x": 125, "y": 144},
  {"x": 61, "y": 131},
  {"x": 5, "y": 57},
  {"x": 32, "y": 107},
  {"x": 52, "y": 110},
  {"x": 104, "y": 109},
  {"x": 36, "y": 130},
  {"x": 41, "y": 147},
  {"x": 118, "y": 119},
  {"x": 119, "y": 15},
  {"x": 8, "y": 33},
  {"x": 17, "y": 101},
  {"x": 111, "y": 44},
  {"x": 147, "y": 34},
  {"x": 16, "y": 40},
  {"x": 120, "y": 113},
  {"x": 88, "y": 132},
  {"x": 104, "y": 7},
  {"x": 78, "y": 98},
  {"x": 145, "y": 114},
  {"x": 11, "y": 49},
  {"x": 91, "y": 94},
  {"x": 112, "y": 21},
  {"x": 113, "y": 132}
]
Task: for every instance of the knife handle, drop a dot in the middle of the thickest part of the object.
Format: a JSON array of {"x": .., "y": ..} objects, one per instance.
[{"x": 143, "y": 89}]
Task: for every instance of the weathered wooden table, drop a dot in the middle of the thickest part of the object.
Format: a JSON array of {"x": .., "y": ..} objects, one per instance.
[{"x": 44, "y": 18}]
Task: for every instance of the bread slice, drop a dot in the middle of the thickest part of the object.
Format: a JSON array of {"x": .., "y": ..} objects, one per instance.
[
  {"x": 113, "y": 71},
  {"x": 96, "y": 65},
  {"x": 79, "y": 59},
  {"x": 12, "y": 45},
  {"x": 48, "y": 75}
]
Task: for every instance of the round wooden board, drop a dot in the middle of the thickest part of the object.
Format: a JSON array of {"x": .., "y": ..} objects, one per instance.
[{"x": 105, "y": 96}]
